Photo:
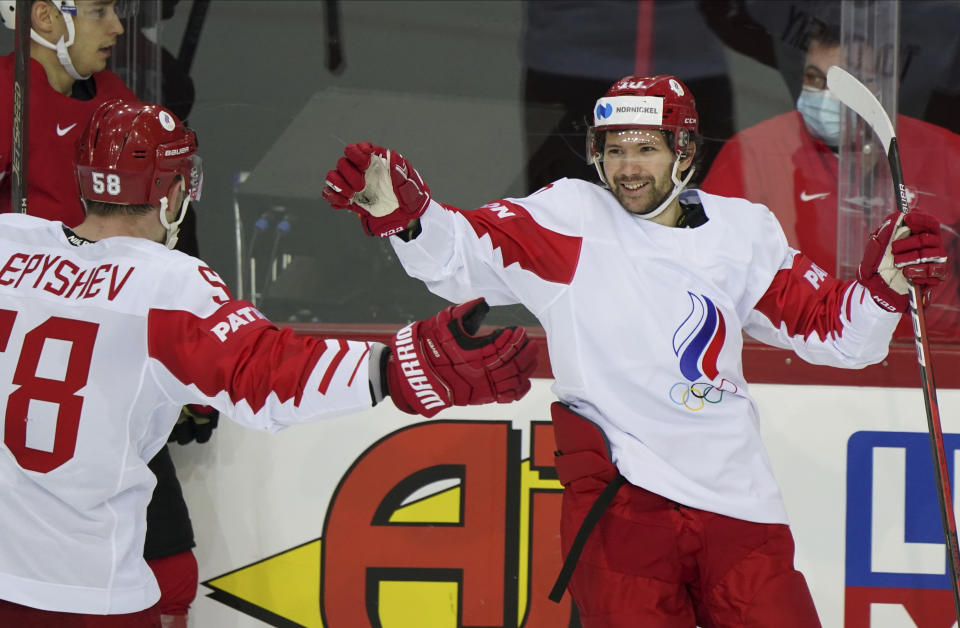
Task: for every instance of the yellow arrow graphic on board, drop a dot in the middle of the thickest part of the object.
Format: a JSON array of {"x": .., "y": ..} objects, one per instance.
[{"x": 284, "y": 590}]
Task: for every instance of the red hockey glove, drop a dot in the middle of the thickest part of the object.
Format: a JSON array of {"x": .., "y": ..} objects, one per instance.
[
  {"x": 194, "y": 423},
  {"x": 441, "y": 362},
  {"x": 905, "y": 247},
  {"x": 380, "y": 186}
]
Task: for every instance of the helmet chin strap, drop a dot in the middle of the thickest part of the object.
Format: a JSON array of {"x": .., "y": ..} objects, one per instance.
[
  {"x": 172, "y": 228},
  {"x": 678, "y": 186},
  {"x": 61, "y": 48}
]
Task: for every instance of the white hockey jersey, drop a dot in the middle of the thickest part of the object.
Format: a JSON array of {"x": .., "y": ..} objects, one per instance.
[
  {"x": 644, "y": 323},
  {"x": 100, "y": 346}
]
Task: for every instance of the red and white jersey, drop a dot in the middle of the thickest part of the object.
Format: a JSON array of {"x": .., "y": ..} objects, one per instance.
[
  {"x": 56, "y": 122},
  {"x": 644, "y": 323},
  {"x": 100, "y": 346},
  {"x": 779, "y": 164}
]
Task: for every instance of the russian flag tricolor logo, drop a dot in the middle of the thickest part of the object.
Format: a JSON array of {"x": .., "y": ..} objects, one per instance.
[{"x": 699, "y": 339}]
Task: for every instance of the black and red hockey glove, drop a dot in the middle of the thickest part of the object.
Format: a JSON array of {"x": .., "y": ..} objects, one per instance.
[
  {"x": 442, "y": 362},
  {"x": 378, "y": 185},
  {"x": 194, "y": 423},
  {"x": 906, "y": 247}
]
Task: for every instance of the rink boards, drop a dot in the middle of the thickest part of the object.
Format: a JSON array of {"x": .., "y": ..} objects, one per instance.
[{"x": 384, "y": 519}]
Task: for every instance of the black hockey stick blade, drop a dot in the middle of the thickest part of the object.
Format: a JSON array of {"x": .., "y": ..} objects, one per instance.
[
  {"x": 855, "y": 95},
  {"x": 21, "y": 108}
]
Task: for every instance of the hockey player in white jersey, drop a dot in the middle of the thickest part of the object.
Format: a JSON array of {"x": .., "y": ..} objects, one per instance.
[
  {"x": 643, "y": 288},
  {"x": 105, "y": 334}
]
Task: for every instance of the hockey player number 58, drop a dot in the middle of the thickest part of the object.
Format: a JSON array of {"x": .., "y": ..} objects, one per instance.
[
  {"x": 31, "y": 386},
  {"x": 109, "y": 183}
]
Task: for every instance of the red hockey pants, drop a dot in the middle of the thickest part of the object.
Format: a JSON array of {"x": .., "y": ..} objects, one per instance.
[
  {"x": 654, "y": 563},
  {"x": 15, "y": 615},
  {"x": 178, "y": 577}
]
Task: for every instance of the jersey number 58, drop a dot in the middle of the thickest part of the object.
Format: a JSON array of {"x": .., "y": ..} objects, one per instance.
[{"x": 31, "y": 386}]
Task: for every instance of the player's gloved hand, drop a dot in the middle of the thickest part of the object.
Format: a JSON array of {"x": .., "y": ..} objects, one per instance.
[
  {"x": 906, "y": 247},
  {"x": 378, "y": 185},
  {"x": 442, "y": 362},
  {"x": 194, "y": 423}
]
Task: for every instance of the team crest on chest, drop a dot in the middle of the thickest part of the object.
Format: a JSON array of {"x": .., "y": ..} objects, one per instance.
[{"x": 697, "y": 343}]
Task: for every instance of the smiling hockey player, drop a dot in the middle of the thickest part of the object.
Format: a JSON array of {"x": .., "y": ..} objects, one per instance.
[{"x": 644, "y": 288}]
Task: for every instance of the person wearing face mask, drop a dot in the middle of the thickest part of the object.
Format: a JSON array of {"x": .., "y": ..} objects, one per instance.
[
  {"x": 790, "y": 164},
  {"x": 820, "y": 109}
]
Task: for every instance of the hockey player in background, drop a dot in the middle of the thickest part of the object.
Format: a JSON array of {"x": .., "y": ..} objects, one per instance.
[
  {"x": 643, "y": 289},
  {"x": 71, "y": 43},
  {"x": 105, "y": 334}
]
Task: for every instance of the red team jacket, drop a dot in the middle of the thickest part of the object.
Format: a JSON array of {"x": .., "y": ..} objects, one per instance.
[
  {"x": 779, "y": 164},
  {"x": 56, "y": 122}
]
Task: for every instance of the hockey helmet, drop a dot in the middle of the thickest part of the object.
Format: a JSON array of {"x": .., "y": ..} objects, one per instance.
[
  {"x": 660, "y": 102},
  {"x": 130, "y": 153}
]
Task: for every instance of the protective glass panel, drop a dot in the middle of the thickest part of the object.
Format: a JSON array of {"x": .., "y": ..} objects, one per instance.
[
  {"x": 492, "y": 100},
  {"x": 869, "y": 36},
  {"x": 136, "y": 57}
]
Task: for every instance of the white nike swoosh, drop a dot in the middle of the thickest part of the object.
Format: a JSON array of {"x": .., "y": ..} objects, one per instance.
[
  {"x": 62, "y": 132},
  {"x": 809, "y": 197}
]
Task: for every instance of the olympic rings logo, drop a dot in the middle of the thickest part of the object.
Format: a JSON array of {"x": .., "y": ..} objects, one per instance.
[{"x": 695, "y": 397}]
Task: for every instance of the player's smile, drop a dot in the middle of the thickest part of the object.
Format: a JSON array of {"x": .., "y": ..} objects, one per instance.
[{"x": 633, "y": 186}]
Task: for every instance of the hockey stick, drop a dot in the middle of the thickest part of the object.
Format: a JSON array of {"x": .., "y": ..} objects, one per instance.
[
  {"x": 21, "y": 108},
  {"x": 191, "y": 35},
  {"x": 854, "y": 94},
  {"x": 331, "y": 13}
]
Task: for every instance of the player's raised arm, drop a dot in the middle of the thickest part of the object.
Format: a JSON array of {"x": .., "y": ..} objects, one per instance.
[
  {"x": 848, "y": 323},
  {"x": 380, "y": 186}
]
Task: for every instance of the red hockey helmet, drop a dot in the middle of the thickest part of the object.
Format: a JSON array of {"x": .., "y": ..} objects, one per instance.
[
  {"x": 130, "y": 153},
  {"x": 660, "y": 102}
]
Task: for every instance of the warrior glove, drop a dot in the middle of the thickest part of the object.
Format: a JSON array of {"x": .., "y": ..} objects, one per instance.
[
  {"x": 905, "y": 248},
  {"x": 442, "y": 362},
  {"x": 378, "y": 185}
]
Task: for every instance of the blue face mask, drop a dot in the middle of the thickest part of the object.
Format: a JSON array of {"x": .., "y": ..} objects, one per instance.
[{"x": 821, "y": 113}]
